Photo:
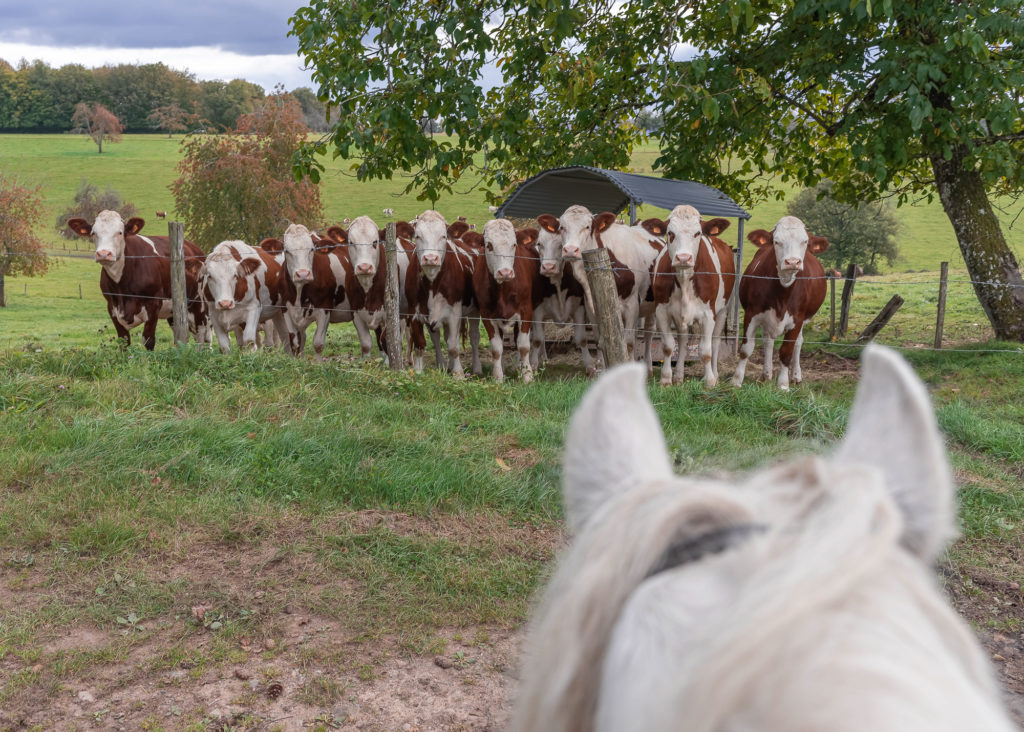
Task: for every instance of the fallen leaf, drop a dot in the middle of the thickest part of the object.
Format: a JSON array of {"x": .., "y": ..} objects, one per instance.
[{"x": 502, "y": 464}]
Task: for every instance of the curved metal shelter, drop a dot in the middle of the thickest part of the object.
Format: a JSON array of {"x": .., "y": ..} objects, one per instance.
[{"x": 554, "y": 190}]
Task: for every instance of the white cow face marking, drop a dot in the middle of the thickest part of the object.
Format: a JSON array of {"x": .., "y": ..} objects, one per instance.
[
  {"x": 298, "y": 253},
  {"x": 500, "y": 249},
  {"x": 549, "y": 246},
  {"x": 790, "y": 240},
  {"x": 222, "y": 271},
  {"x": 363, "y": 240},
  {"x": 575, "y": 226},
  {"x": 431, "y": 240},
  {"x": 683, "y": 234}
]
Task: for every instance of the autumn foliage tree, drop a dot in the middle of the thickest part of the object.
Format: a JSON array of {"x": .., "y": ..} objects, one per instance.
[
  {"x": 97, "y": 122},
  {"x": 21, "y": 251},
  {"x": 240, "y": 185},
  {"x": 172, "y": 118}
]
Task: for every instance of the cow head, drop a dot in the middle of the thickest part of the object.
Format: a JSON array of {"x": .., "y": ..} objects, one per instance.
[
  {"x": 792, "y": 244},
  {"x": 108, "y": 232},
  {"x": 575, "y": 227},
  {"x": 549, "y": 246},
  {"x": 297, "y": 248},
  {"x": 500, "y": 249},
  {"x": 229, "y": 263},
  {"x": 430, "y": 235},
  {"x": 363, "y": 240}
]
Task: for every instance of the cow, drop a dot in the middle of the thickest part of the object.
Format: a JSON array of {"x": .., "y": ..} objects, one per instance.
[
  {"x": 388, "y": 213},
  {"x": 136, "y": 276},
  {"x": 446, "y": 266},
  {"x": 313, "y": 288},
  {"x": 362, "y": 258},
  {"x": 413, "y": 300},
  {"x": 783, "y": 286},
  {"x": 243, "y": 286},
  {"x": 508, "y": 286},
  {"x": 691, "y": 281},
  {"x": 565, "y": 302},
  {"x": 161, "y": 214},
  {"x": 800, "y": 597},
  {"x": 631, "y": 250}
]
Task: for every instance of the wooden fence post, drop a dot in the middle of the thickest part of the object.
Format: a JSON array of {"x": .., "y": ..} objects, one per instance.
[
  {"x": 179, "y": 303},
  {"x": 607, "y": 307},
  {"x": 79, "y": 290},
  {"x": 391, "y": 299},
  {"x": 844, "y": 315},
  {"x": 880, "y": 321},
  {"x": 832, "y": 309},
  {"x": 940, "y": 317}
]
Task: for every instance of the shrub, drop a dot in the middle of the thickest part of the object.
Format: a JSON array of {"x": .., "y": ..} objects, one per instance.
[{"x": 88, "y": 202}]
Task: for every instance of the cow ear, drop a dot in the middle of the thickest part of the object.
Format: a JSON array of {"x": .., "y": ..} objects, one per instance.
[
  {"x": 760, "y": 237},
  {"x": 133, "y": 225},
  {"x": 602, "y": 221},
  {"x": 473, "y": 239},
  {"x": 892, "y": 429},
  {"x": 80, "y": 227},
  {"x": 714, "y": 227},
  {"x": 193, "y": 267},
  {"x": 527, "y": 237},
  {"x": 655, "y": 226},
  {"x": 382, "y": 234},
  {"x": 817, "y": 244},
  {"x": 248, "y": 265},
  {"x": 614, "y": 443},
  {"x": 456, "y": 230},
  {"x": 337, "y": 234},
  {"x": 548, "y": 223},
  {"x": 405, "y": 230},
  {"x": 271, "y": 245}
]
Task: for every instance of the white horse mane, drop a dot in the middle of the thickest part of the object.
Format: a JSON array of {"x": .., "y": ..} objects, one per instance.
[{"x": 799, "y": 598}]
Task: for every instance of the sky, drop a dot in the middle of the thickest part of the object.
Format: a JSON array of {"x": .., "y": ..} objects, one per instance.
[{"x": 212, "y": 39}]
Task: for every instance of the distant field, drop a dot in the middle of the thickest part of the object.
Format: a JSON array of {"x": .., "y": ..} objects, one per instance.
[{"x": 142, "y": 167}]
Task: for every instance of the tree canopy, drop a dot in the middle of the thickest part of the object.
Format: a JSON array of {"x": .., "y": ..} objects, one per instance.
[
  {"x": 97, "y": 122},
  {"x": 884, "y": 98},
  {"x": 21, "y": 251}
]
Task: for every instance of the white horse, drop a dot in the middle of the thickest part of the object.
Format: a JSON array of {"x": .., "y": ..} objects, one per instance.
[{"x": 797, "y": 598}]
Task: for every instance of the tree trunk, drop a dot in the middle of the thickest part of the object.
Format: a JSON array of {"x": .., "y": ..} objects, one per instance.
[
  {"x": 990, "y": 263},
  {"x": 3, "y": 292}
]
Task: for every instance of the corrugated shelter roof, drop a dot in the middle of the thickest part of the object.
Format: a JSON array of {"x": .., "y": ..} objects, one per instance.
[{"x": 553, "y": 191}]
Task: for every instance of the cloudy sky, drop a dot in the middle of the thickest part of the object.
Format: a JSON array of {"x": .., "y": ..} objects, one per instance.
[{"x": 213, "y": 39}]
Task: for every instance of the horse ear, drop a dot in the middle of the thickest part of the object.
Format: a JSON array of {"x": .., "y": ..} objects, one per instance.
[
  {"x": 817, "y": 244},
  {"x": 892, "y": 428},
  {"x": 133, "y": 225},
  {"x": 760, "y": 237},
  {"x": 714, "y": 227},
  {"x": 614, "y": 443},
  {"x": 655, "y": 226}
]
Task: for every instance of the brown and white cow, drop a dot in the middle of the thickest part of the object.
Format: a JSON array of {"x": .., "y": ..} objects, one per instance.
[
  {"x": 783, "y": 286},
  {"x": 413, "y": 301},
  {"x": 564, "y": 303},
  {"x": 508, "y": 286},
  {"x": 362, "y": 257},
  {"x": 243, "y": 286},
  {"x": 446, "y": 264},
  {"x": 136, "y": 276},
  {"x": 691, "y": 282},
  {"x": 631, "y": 249}
]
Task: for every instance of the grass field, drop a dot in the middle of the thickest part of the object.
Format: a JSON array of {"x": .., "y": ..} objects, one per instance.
[{"x": 183, "y": 530}]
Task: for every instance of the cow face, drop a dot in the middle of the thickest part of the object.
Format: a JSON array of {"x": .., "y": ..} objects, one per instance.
[
  {"x": 792, "y": 243},
  {"x": 298, "y": 254},
  {"x": 108, "y": 232},
  {"x": 363, "y": 242},
  {"x": 575, "y": 227},
  {"x": 224, "y": 274},
  {"x": 549, "y": 246},
  {"x": 500, "y": 249},
  {"x": 683, "y": 234},
  {"x": 430, "y": 236}
]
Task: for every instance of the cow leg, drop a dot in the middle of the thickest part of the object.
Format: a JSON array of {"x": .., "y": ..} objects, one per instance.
[
  {"x": 769, "y": 353},
  {"x": 363, "y": 332},
  {"x": 474, "y": 343},
  {"x": 580, "y": 337},
  {"x": 523, "y": 343},
  {"x": 496, "y": 337},
  {"x": 716, "y": 344},
  {"x": 149, "y": 327},
  {"x": 707, "y": 337},
  {"x": 123, "y": 333},
  {"x": 630, "y": 316},
  {"x": 435, "y": 337},
  {"x": 252, "y": 326},
  {"x": 283, "y": 329},
  {"x": 749, "y": 328},
  {"x": 537, "y": 352},
  {"x": 668, "y": 342},
  {"x": 417, "y": 345},
  {"x": 795, "y": 373},
  {"x": 648, "y": 350},
  {"x": 452, "y": 337},
  {"x": 787, "y": 351},
  {"x": 679, "y": 374}
]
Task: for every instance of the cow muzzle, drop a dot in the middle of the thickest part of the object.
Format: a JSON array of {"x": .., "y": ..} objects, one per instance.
[
  {"x": 104, "y": 255},
  {"x": 364, "y": 268},
  {"x": 303, "y": 275},
  {"x": 683, "y": 261},
  {"x": 793, "y": 264},
  {"x": 225, "y": 304},
  {"x": 548, "y": 268},
  {"x": 571, "y": 252},
  {"x": 504, "y": 275}
]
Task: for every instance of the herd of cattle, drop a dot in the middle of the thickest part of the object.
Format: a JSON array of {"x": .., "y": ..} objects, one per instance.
[{"x": 670, "y": 275}]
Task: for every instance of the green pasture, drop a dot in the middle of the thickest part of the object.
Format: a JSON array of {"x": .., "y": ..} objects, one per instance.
[{"x": 142, "y": 167}]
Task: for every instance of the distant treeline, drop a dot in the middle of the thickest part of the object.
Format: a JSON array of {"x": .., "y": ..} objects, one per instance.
[{"x": 37, "y": 98}]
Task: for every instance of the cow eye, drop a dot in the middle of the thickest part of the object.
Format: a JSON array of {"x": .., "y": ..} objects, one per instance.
[{"x": 490, "y": 247}]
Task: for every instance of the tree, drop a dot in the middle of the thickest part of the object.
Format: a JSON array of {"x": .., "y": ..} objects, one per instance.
[
  {"x": 21, "y": 251},
  {"x": 240, "y": 185},
  {"x": 97, "y": 122},
  {"x": 894, "y": 99},
  {"x": 171, "y": 118},
  {"x": 223, "y": 104},
  {"x": 314, "y": 112},
  {"x": 858, "y": 234},
  {"x": 88, "y": 202}
]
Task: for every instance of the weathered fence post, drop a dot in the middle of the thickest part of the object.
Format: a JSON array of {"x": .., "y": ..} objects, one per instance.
[
  {"x": 844, "y": 316},
  {"x": 832, "y": 309},
  {"x": 79, "y": 290},
  {"x": 940, "y": 316},
  {"x": 880, "y": 321},
  {"x": 734, "y": 307},
  {"x": 179, "y": 303},
  {"x": 607, "y": 307},
  {"x": 391, "y": 300}
]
